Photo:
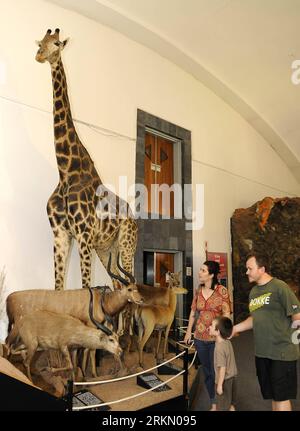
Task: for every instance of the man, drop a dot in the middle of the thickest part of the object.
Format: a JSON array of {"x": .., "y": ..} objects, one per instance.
[{"x": 275, "y": 313}]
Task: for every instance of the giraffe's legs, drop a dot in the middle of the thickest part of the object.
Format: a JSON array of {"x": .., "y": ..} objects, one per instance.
[
  {"x": 127, "y": 239},
  {"x": 62, "y": 237},
  {"x": 62, "y": 243},
  {"x": 85, "y": 253}
]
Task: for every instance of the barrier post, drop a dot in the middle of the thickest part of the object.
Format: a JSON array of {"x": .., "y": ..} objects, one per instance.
[
  {"x": 185, "y": 377},
  {"x": 70, "y": 395},
  {"x": 177, "y": 335}
]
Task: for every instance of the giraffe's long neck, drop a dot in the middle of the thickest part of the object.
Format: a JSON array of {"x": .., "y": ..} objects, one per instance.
[{"x": 73, "y": 160}]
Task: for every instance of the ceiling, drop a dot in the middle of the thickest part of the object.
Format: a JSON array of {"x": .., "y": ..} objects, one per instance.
[{"x": 242, "y": 50}]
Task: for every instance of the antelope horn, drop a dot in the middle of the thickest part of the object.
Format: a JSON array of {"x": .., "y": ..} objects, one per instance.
[
  {"x": 130, "y": 276},
  {"x": 116, "y": 277},
  {"x": 97, "y": 324}
]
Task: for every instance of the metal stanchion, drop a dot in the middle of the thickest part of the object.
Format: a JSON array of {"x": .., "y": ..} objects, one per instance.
[
  {"x": 185, "y": 377},
  {"x": 70, "y": 396},
  {"x": 177, "y": 334}
]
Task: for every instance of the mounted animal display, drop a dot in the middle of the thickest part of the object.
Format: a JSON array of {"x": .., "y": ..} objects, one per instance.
[
  {"x": 152, "y": 295},
  {"x": 75, "y": 303},
  {"x": 156, "y": 317},
  {"x": 49, "y": 330},
  {"x": 72, "y": 207},
  {"x": 173, "y": 279}
]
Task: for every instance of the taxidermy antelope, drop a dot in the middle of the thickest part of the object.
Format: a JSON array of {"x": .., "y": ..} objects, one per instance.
[
  {"x": 74, "y": 303},
  {"x": 174, "y": 279},
  {"x": 150, "y": 317}
]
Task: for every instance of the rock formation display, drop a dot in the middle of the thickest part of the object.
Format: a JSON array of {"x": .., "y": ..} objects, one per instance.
[{"x": 270, "y": 226}]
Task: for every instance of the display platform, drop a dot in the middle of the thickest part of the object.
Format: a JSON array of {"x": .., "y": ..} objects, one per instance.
[
  {"x": 122, "y": 389},
  {"x": 19, "y": 394},
  {"x": 171, "y": 399}
]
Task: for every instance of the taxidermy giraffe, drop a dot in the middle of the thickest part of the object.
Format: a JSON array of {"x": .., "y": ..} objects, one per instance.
[{"x": 72, "y": 206}]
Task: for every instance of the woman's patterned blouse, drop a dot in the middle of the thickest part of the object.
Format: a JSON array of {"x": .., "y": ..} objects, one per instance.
[{"x": 217, "y": 304}]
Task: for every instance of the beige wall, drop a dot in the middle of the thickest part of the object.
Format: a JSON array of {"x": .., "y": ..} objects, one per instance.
[{"x": 109, "y": 78}]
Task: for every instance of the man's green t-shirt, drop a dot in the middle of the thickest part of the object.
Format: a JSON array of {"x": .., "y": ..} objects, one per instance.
[{"x": 271, "y": 305}]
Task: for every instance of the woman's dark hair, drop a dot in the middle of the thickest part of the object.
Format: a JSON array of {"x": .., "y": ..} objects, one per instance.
[{"x": 213, "y": 268}]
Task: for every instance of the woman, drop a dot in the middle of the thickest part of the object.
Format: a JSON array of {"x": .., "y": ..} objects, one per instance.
[{"x": 210, "y": 300}]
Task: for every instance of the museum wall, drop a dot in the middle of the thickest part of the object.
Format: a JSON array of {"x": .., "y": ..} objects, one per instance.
[{"x": 109, "y": 78}]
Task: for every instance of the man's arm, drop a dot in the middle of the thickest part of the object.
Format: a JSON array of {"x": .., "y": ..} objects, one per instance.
[
  {"x": 296, "y": 318},
  {"x": 243, "y": 326},
  {"x": 221, "y": 377}
]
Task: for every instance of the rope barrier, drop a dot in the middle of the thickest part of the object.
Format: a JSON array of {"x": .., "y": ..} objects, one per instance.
[
  {"x": 180, "y": 318},
  {"x": 189, "y": 348},
  {"x": 182, "y": 328},
  {"x": 89, "y": 407},
  {"x": 129, "y": 376},
  {"x": 194, "y": 358}
]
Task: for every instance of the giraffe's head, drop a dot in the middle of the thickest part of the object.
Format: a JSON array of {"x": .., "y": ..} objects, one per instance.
[{"x": 50, "y": 47}]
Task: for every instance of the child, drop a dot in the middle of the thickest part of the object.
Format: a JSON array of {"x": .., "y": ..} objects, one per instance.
[{"x": 224, "y": 363}]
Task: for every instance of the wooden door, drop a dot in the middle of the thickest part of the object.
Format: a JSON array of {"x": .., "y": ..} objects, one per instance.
[
  {"x": 149, "y": 173},
  {"x": 165, "y": 175},
  {"x": 159, "y": 170}
]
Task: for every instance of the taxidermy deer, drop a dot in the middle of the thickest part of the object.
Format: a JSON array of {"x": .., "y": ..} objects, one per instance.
[{"x": 49, "y": 330}]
